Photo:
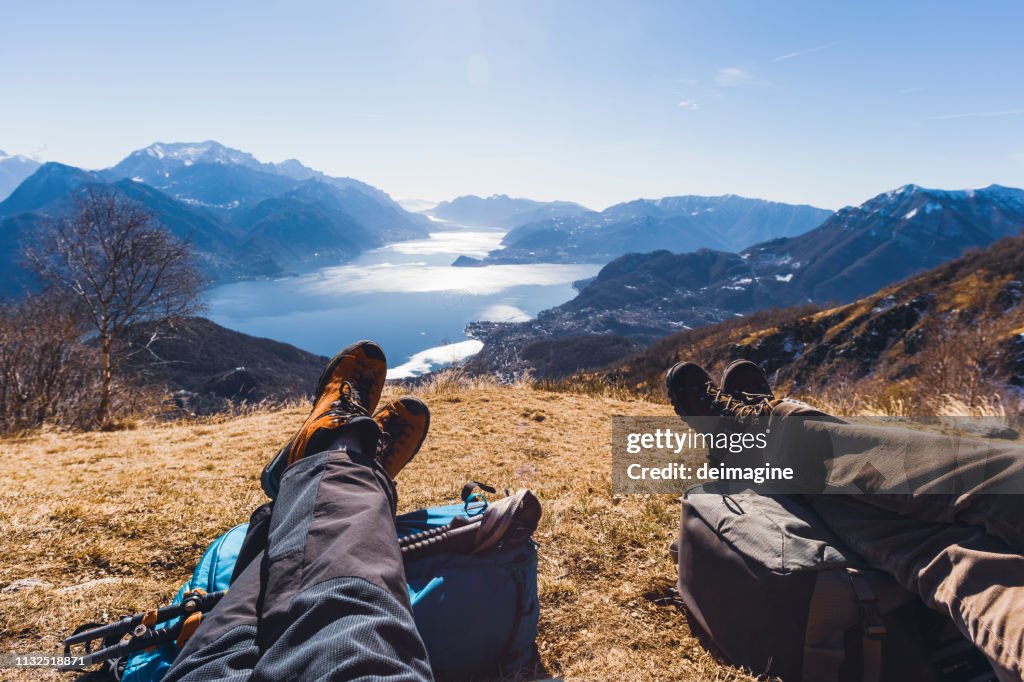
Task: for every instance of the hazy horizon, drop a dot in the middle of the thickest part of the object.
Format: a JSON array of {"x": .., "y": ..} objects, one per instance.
[
  {"x": 591, "y": 102},
  {"x": 419, "y": 204}
]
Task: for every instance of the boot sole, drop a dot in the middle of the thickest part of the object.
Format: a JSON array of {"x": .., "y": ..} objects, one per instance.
[
  {"x": 671, "y": 377},
  {"x": 426, "y": 429},
  {"x": 735, "y": 391}
]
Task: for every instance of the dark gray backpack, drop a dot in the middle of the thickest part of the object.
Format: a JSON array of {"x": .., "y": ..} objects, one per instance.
[{"x": 777, "y": 593}]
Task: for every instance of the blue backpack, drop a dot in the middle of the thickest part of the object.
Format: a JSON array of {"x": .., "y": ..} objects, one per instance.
[{"x": 477, "y": 613}]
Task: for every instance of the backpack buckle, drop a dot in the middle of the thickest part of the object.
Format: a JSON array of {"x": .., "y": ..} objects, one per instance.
[{"x": 475, "y": 503}]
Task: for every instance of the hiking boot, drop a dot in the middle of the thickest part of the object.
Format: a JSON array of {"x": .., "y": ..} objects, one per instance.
[
  {"x": 694, "y": 394},
  {"x": 746, "y": 382},
  {"x": 348, "y": 390},
  {"x": 404, "y": 423}
]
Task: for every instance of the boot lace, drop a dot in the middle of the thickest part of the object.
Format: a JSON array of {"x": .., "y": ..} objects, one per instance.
[
  {"x": 729, "y": 404},
  {"x": 347, "y": 404},
  {"x": 756, "y": 397},
  {"x": 396, "y": 428},
  {"x": 384, "y": 446}
]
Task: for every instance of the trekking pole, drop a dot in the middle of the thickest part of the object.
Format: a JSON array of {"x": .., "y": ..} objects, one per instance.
[
  {"x": 135, "y": 625},
  {"x": 440, "y": 539},
  {"x": 150, "y": 639},
  {"x": 141, "y": 627}
]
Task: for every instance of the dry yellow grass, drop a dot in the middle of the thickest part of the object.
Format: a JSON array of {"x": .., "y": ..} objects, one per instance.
[{"x": 140, "y": 506}]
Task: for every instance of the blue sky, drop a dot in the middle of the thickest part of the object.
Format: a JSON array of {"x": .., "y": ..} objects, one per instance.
[{"x": 819, "y": 102}]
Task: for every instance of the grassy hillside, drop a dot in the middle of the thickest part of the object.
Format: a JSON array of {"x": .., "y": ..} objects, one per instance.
[{"x": 115, "y": 521}]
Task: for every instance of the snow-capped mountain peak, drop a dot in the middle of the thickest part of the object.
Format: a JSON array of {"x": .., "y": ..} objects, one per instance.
[
  {"x": 4, "y": 156},
  {"x": 209, "y": 151},
  {"x": 14, "y": 168}
]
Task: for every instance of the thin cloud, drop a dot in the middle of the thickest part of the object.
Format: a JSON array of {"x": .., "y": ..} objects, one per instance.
[
  {"x": 801, "y": 53},
  {"x": 690, "y": 104},
  {"x": 731, "y": 77},
  {"x": 980, "y": 114},
  {"x": 907, "y": 91}
]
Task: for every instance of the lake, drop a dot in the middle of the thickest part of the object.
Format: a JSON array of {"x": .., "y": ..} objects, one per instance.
[{"x": 406, "y": 296}]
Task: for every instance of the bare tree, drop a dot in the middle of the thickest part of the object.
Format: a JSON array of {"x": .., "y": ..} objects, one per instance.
[
  {"x": 964, "y": 353},
  {"x": 44, "y": 371},
  {"x": 122, "y": 266}
]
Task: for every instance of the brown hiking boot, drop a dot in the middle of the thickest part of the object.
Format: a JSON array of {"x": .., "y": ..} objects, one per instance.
[
  {"x": 694, "y": 394},
  {"x": 404, "y": 423},
  {"x": 348, "y": 390},
  {"x": 746, "y": 382}
]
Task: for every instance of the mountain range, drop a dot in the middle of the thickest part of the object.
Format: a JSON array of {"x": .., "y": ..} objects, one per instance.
[
  {"x": 681, "y": 223},
  {"x": 640, "y": 297},
  {"x": 246, "y": 218},
  {"x": 14, "y": 168},
  {"x": 501, "y": 210},
  {"x": 965, "y": 315}
]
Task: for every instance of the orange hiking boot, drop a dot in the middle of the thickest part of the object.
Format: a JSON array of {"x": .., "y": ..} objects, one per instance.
[
  {"x": 348, "y": 390},
  {"x": 404, "y": 423}
]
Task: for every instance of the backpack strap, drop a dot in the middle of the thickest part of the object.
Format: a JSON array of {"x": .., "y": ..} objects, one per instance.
[
  {"x": 467, "y": 490},
  {"x": 831, "y": 611},
  {"x": 872, "y": 624},
  {"x": 524, "y": 607}
]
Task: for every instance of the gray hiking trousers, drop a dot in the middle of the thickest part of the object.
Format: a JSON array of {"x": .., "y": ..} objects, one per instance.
[
  {"x": 319, "y": 592},
  {"x": 942, "y": 516}
]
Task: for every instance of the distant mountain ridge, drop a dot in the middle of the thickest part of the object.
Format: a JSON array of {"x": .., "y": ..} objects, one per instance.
[
  {"x": 681, "y": 223},
  {"x": 14, "y": 168},
  {"x": 163, "y": 165},
  {"x": 246, "y": 218},
  {"x": 970, "y": 306},
  {"x": 501, "y": 210},
  {"x": 857, "y": 251}
]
